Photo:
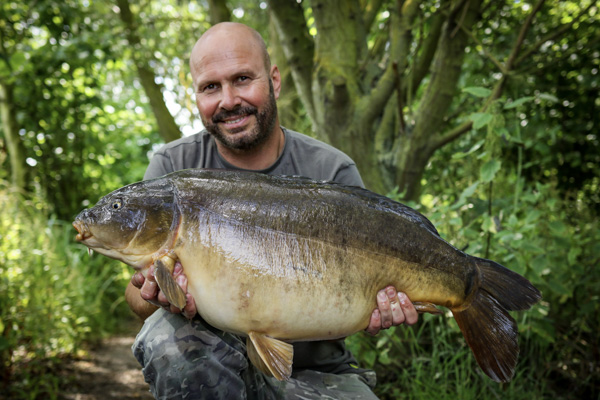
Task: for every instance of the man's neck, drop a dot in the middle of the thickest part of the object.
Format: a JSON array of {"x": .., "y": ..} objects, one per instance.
[{"x": 258, "y": 158}]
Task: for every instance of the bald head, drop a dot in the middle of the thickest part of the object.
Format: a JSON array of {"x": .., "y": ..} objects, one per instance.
[{"x": 228, "y": 34}]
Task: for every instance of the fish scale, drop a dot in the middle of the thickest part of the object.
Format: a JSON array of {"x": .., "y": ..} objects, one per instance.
[{"x": 285, "y": 259}]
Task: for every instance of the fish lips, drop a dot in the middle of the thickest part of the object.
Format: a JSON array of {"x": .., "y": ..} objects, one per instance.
[{"x": 83, "y": 232}]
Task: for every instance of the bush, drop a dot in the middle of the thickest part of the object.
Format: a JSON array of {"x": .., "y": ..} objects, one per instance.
[
  {"x": 552, "y": 241},
  {"x": 53, "y": 296}
]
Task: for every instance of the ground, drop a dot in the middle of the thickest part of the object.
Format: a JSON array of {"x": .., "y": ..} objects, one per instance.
[{"x": 109, "y": 372}]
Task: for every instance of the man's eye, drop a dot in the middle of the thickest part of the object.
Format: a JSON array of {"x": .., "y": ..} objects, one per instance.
[{"x": 209, "y": 87}]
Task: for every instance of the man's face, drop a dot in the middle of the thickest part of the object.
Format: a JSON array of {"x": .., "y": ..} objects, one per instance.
[{"x": 235, "y": 94}]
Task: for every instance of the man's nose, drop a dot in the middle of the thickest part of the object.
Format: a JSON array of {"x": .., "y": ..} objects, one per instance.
[{"x": 229, "y": 97}]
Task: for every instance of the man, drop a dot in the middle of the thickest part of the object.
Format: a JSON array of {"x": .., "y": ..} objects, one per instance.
[{"x": 236, "y": 90}]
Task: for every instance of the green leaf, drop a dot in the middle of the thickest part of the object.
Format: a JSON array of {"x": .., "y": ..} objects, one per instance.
[
  {"x": 518, "y": 102},
  {"x": 477, "y": 91},
  {"x": 384, "y": 357},
  {"x": 557, "y": 227},
  {"x": 531, "y": 248},
  {"x": 558, "y": 288},
  {"x": 489, "y": 170},
  {"x": 549, "y": 97},
  {"x": 545, "y": 330},
  {"x": 480, "y": 119},
  {"x": 369, "y": 357},
  {"x": 574, "y": 252},
  {"x": 475, "y": 147},
  {"x": 540, "y": 265},
  {"x": 468, "y": 192}
]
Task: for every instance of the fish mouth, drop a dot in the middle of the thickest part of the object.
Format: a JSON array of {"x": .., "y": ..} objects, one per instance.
[{"x": 83, "y": 233}]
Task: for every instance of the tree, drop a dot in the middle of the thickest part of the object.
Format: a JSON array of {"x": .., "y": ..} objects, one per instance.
[
  {"x": 12, "y": 59},
  {"x": 381, "y": 80},
  {"x": 167, "y": 126}
]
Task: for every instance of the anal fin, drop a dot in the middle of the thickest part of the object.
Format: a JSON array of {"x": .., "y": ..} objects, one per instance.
[
  {"x": 426, "y": 308},
  {"x": 269, "y": 355},
  {"x": 164, "y": 278}
]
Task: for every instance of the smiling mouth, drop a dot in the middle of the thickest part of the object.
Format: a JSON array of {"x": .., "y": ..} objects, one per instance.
[{"x": 234, "y": 121}]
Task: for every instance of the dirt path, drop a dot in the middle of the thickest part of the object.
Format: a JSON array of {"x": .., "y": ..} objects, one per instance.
[{"x": 109, "y": 373}]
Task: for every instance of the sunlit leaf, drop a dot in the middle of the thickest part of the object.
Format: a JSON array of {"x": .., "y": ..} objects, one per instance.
[
  {"x": 480, "y": 119},
  {"x": 478, "y": 91},
  {"x": 489, "y": 170},
  {"x": 548, "y": 97},
  {"x": 518, "y": 102}
]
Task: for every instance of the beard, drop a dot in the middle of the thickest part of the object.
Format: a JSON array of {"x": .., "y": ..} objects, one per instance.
[{"x": 265, "y": 123}]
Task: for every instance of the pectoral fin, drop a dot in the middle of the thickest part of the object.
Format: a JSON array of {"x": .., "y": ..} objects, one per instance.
[
  {"x": 166, "y": 283},
  {"x": 269, "y": 355},
  {"x": 427, "y": 308}
]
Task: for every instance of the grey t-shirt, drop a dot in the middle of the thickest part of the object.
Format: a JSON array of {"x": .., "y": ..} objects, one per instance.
[{"x": 302, "y": 155}]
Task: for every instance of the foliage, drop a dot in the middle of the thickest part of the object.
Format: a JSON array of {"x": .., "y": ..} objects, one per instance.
[
  {"x": 517, "y": 182},
  {"x": 485, "y": 205},
  {"x": 53, "y": 298},
  {"x": 77, "y": 114}
]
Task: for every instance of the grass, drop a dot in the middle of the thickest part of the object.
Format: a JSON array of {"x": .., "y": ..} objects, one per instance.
[
  {"x": 54, "y": 298},
  {"x": 431, "y": 360}
]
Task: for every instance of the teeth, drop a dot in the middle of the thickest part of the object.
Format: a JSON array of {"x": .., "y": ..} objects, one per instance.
[
  {"x": 235, "y": 121},
  {"x": 90, "y": 252}
]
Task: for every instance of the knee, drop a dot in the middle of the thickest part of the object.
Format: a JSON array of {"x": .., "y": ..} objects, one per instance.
[{"x": 177, "y": 353}]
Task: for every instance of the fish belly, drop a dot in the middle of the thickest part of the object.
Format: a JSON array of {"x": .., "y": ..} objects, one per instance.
[
  {"x": 295, "y": 288},
  {"x": 291, "y": 303}
]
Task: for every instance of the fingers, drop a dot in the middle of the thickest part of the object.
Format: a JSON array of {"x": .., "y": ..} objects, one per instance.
[
  {"x": 190, "y": 307},
  {"x": 408, "y": 309},
  {"x": 375, "y": 323},
  {"x": 151, "y": 292},
  {"x": 137, "y": 280},
  {"x": 391, "y": 313},
  {"x": 393, "y": 309},
  {"x": 149, "y": 288}
]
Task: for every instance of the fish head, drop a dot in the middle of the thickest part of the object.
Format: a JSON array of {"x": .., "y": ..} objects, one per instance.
[{"x": 132, "y": 224}]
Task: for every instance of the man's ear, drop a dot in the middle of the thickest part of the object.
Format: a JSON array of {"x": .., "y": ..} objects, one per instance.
[{"x": 276, "y": 79}]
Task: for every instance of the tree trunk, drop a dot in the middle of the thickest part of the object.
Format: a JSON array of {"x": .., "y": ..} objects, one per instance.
[
  {"x": 414, "y": 150},
  {"x": 16, "y": 151},
  {"x": 380, "y": 89},
  {"x": 218, "y": 11},
  {"x": 167, "y": 127}
]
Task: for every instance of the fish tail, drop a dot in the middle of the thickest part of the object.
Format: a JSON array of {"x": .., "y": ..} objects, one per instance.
[{"x": 488, "y": 328}]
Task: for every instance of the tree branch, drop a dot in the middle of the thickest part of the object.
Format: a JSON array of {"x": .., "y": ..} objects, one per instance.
[
  {"x": 341, "y": 39},
  {"x": 370, "y": 11},
  {"x": 522, "y": 34},
  {"x": 508, "y": 66},
  {"x": 298, "y": 47},
  {"x": 167, "y": 127},
  {"x": 423, "y": 62},
  {"x": 489, "y": 55},
  {"x": 218, "y": 11},
  {"x": 401, "y": 36},
  {"x": 446, "y": 70},
  {"x": 553, "y": 35}
]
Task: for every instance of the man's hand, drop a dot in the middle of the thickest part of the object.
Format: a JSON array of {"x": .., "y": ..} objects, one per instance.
[
  {"x": 393, "y": 309},
  {"x": 150, "y": 291}
]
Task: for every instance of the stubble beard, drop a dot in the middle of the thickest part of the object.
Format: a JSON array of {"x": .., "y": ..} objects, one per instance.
[{"x": 265, "y": 124}]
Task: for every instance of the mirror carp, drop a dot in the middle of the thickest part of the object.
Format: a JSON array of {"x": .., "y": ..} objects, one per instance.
[{"x": 284, "y": 259}]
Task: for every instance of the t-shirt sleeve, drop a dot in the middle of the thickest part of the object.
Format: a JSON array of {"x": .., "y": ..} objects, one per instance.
[
  {"x": 160, "y": 165},
  {"x": 349, "y": 175}
]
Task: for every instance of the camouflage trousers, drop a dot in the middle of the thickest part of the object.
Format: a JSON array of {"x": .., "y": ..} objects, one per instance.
[{"x": 184, "y": 359}]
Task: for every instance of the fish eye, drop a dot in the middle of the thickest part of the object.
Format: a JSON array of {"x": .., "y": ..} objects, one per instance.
[{"x": 116, "y": 205}]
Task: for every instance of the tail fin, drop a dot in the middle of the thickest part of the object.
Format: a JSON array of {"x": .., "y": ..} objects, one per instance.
[{"x": 487, "y": 326}]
